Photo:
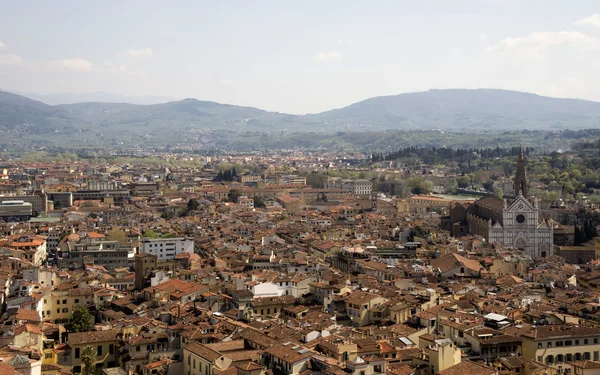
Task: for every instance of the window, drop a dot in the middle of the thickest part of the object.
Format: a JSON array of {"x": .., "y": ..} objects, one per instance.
[
  {"x": 596, "y": 356},
  {"x": 559, "y": 343},
  {"x": 48, "y": 355},
  {"x": 65, "y": 310},
  {"x": 111, "y": 349},
  {"x": 539, "y": 345},
  {"x": 576, "y": 342},
  {"x": 99, "y": 351},
  {"x": 58, "y": 302},
  {"x": 568, "y": 343},
  {"x": 549, "y": 344},
  {"x": 596, "y": 340},
  {"x": 76, "y": 352},
  {"x": 585, "y": 341},
  {"x": 76, "y": 300},
  {"x": 64, "y": 301},
  {"x": 194, "y": 366}
]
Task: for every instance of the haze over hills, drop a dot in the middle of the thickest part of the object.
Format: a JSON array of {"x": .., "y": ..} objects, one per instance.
[
  {"x": 451, "y": 110},
  {"x": 98, "y": 96}
]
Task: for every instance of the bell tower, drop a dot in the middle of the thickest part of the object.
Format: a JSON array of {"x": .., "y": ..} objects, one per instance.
[{"x": 521, "y": 175}]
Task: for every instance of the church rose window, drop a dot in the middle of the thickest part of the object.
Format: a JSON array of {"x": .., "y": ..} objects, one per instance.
[{"x": 520, "y": 219}]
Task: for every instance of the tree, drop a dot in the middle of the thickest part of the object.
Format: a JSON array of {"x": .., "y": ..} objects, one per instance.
[
  {"x": 117, "y": 235},
  {"x": 88, "y": 358},
  {"x": 81, "y": 320},
  {"x": 150, "y": 234},
  {"x": 233, "y": 195},
  {"x": 498, "y": 192},
  {"x": 259, "y": 202},
  {"x": 192, "y": 205}
]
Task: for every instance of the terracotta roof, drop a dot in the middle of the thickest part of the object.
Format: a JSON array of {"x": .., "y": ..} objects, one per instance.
[
  {"x": 92, "y": 336},
  {"x": 468, "y": 367},
  {"x": 202, "y": 351}
]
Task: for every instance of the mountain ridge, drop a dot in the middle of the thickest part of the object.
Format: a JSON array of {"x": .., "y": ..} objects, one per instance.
[{"x": 467, "y": 110}]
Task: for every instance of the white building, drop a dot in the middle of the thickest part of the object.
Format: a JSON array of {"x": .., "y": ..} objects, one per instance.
[
  {"x": 167, "y": 248},
  {"x": 358, "y": 187}
]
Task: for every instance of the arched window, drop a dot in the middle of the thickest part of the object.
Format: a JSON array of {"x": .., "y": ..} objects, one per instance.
[
  {"x": 578, "y": 356},
  {"x": 587, "y": 356},
  {"x": 569, "y": 357},
  {"x": 560, "y": 358}
]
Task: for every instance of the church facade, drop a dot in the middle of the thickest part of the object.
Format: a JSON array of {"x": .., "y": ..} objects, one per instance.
[{"x": 515, "y": 225}]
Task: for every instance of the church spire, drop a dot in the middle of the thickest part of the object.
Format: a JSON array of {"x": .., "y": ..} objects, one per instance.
[{"x": 521, "y": 175}]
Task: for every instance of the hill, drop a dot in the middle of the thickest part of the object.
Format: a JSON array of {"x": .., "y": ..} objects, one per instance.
[
  {"x": 467, "y": 110},
  {"x": 190, "y": 121},
  {"x": 30, "y": 115}
]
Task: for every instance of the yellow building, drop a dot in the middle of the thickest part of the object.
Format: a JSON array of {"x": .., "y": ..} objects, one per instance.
[
  {"x": 555, "y": 345},
  {"x": 103, "y": 342},
  {"x": 362, "y": 307},
  {"x": 58, "y": 306},
  {"x": 200, "y": 360},
  {"x": 438, "y": 354}
]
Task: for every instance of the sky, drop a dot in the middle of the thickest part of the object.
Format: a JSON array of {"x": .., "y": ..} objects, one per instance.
[{"x": 299, "y": 56}]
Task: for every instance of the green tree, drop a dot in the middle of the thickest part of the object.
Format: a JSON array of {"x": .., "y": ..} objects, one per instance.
[
  {"x": 259, "y": 202},
  {"x": 498, "y": 193},
  {"x": 88, "y": 358},
  {"x": 150, "y": 234},
  {"x": 81, "y": 320},
  {"x": 117, "y": 235},
  {"x": 192, "y": 205},
  {"x": 463, "y": 182},
  {"x": 233, "y": 195}
]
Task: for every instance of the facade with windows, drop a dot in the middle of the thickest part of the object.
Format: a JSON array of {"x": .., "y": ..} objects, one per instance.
[
  {"x": 556, "y": 345},
  {"x": 167, "y": 248}
]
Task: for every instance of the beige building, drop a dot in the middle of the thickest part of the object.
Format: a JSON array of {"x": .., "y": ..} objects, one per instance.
[
  {"x": 362, "y": 308},
  {"x": 103, "y": 342},
  {"x": 438, "y": 354},
  {"x": 556, "y": 345},
  {"x": 200, "y": 360}
]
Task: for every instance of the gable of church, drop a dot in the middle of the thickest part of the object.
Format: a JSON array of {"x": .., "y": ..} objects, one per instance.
[{"x": 520, "y": 204}]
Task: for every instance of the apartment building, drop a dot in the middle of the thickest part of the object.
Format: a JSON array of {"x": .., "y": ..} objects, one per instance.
[
  {"x": 556, "y": 344},
  {"x": 167, "y": 248}
]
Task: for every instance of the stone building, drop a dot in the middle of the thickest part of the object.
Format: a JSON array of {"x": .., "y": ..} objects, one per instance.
[{"x": 516, "y": 224}]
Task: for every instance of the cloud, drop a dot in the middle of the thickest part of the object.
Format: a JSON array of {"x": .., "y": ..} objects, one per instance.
[
  {"x": 227, "y": 82},
  {"x": 539, "y": 41},
  {"x": 121, "y": 69},
  {"x": 325, "y": 56},
  {"x": 77, "y": 64},
  {"x": 593, "y": 20},
  {"x": 10, "y": 59},
  {"x": 482, "y": 37},
  {"x": 144, "y": 52}
]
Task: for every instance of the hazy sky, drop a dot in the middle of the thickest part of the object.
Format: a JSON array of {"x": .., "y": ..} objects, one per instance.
[{"x": 301, "y": 56}]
